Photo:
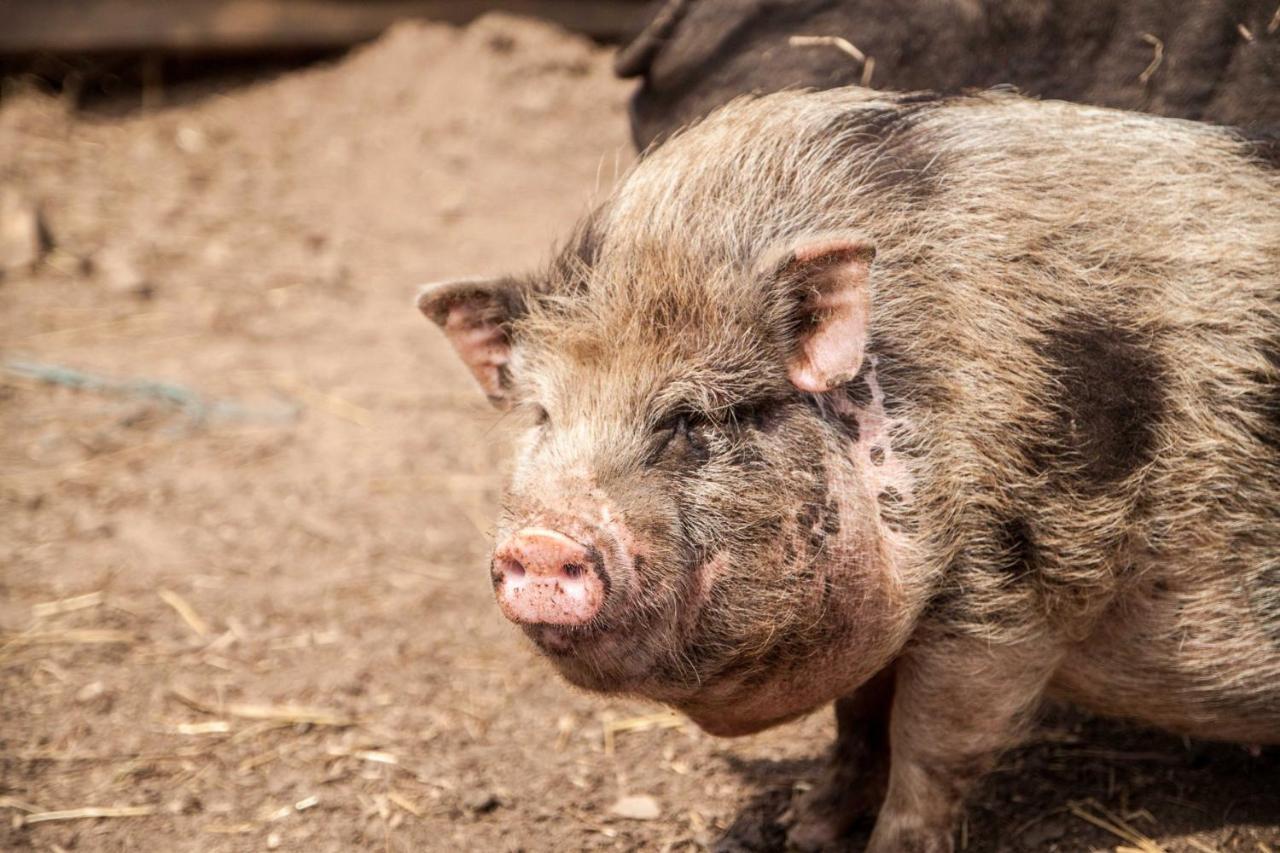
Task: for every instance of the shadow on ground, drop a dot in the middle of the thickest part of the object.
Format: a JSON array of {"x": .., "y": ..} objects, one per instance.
[{"x": 1057, "y": 794}]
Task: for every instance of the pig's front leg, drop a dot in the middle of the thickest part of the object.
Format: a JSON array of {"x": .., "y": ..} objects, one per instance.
[
  {"x": 854, "y": 782},
  {"x": 957, "y": 704}
]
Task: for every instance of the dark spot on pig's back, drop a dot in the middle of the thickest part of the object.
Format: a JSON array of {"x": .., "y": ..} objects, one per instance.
[
  {"x": 893, "y": 150},
  {"x": 1004, "y": 556},
  {"x": 1106, "y": 394}
]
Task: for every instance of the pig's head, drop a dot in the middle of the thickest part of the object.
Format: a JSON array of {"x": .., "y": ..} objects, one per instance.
[{"x": 693, "y": 514}]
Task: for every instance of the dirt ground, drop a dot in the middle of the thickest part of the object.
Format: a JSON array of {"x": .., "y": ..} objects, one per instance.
[{"x": 246, "y": 608}]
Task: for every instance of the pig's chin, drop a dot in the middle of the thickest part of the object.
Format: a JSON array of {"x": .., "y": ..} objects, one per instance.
[
  {"x": 643, "y": 652},
  {"x": 613, "y": 659}
]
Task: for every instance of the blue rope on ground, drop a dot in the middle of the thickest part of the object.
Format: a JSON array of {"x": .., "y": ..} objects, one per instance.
[{"x": 189, "y": 401}]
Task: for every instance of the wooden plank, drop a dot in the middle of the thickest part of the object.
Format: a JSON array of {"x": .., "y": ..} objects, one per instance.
[{"x": 95, "y": 26}]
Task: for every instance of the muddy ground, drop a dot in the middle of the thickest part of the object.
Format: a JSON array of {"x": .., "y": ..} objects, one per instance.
[{"x": 246, "y": 608}]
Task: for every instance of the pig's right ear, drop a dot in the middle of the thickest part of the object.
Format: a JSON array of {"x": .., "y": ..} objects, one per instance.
[
  {"x": 826, "y": 289},
  {"x": 476, "y": 315}
]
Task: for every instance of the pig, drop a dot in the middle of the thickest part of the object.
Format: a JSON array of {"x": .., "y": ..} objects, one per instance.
[
  {"x": 1212, "y": 60},
  {"x": 934, "y": 408}
]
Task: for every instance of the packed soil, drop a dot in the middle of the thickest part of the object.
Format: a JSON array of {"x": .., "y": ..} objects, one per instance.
[{"x": 246, "y": 495}]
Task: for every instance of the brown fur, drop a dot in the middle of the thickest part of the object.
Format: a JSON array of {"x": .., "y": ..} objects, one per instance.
[{"x": 1070, "y": 388}]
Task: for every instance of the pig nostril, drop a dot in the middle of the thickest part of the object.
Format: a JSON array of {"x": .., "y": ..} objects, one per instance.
[
  {"x": 573, "y": 570},
  {"x": 511, "y": 568}
]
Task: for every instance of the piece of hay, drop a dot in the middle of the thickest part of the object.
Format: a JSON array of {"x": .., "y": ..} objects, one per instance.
[
  {"x": 88, "y": 812},
  {"x": 273, "y": 713},
  {"x": 404, "y": 802},
  {"x": 67, "y": 605},
  {"x": 843, "y": 45},
  {"x": 1157, "y": 48},
  {"x": 1116, "y": 826},
  {"x": 644, "y": 722},
  {"x": 78, "y": 332},
  {"x": 188, "y": 613},
  {"x": 77, "y": 636},
  {"x": 213, "y": 727}
]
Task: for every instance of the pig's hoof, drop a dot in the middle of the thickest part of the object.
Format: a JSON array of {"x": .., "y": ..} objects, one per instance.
[
  {"x": 847, "y": 792},
  {"x": 826, "y": 813},
  {"x": 811, "y": 833},
  {"x": 909, "y": 841}
]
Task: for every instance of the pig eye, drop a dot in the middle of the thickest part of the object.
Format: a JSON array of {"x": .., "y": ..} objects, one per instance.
[
  {"x": 757, "y": 415},
  {"x": 540, "y": 416},
  {"x": 683, "y": 432}
]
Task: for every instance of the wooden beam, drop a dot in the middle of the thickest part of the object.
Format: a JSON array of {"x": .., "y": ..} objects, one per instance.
[{"x": 219, "y": 26}]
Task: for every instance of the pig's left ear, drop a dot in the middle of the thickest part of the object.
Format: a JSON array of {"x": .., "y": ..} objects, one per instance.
[
  {"x": 476, "y": 315},
  {"x": 828, "y": 282}
]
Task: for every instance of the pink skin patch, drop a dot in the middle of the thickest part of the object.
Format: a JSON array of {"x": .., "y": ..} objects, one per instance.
[
  {"x": 706, "y": 576},
  {"x": 628, "y": 546},
  {"x": 879, "y": 467},
  {"x": 543, "y": 577}
]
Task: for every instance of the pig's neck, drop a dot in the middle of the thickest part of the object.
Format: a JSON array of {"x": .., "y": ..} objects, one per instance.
[{"x": 887, "y": 488}]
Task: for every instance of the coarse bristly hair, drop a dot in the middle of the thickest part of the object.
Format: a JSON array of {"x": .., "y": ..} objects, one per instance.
[{"x": 1076, "y": 324}]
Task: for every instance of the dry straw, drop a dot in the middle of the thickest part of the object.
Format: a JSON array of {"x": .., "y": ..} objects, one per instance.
[
  {"x": 87, "y": 812},
  {"x": 186, "y": 611},
  {"x": 1117, "y": 826},
  {"x": 843, "y": 45},
  {"x": 267, "y": 713}
]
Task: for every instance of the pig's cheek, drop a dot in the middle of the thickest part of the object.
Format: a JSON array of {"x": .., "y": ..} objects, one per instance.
[
  {"x": 610, "y": 521},
  {"x": 632, "y": 553}
]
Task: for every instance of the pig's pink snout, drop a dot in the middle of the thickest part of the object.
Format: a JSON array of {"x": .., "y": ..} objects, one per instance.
[{"x": 544, "y": 577}]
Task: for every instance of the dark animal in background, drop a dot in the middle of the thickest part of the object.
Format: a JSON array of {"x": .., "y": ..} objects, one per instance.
[
  {"x": 931, "y": 408},
  {"x": 1210, "y": 60}
]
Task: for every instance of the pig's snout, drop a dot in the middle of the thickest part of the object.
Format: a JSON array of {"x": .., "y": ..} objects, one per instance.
[{"x": 544, "y": 577}]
